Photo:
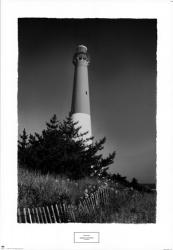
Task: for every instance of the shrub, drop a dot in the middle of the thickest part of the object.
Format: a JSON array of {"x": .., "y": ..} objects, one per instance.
[{"x": 62, "y": 149}]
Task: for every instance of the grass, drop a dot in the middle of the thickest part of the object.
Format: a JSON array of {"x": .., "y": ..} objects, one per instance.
[
  {"x": 35, "y": 189},
  {"x": 124, "y": 206}
]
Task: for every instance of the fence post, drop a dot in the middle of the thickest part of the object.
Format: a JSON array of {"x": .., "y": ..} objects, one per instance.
[
  {"x": 49, "y": 214},
  {"x": 73, "y": 214},
  {"x": 19, "y": 216},
  {"x": 41, "y": 216},
  {"x": 30, "y": 219},
  {"x": 59, "y": 219},
  {"x": 53, "y": 213},
  {"x": 34, "y": 216},
  {"x": 86, "y": 207},
  {"x": 37, "y": 215},
  {"x": 25, "y": 218},
  {"x": 65, "y": 212},
  {"x": 45, "y": 216}
]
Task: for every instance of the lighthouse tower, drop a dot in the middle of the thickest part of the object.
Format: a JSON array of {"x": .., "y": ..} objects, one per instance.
[{"x": 80, "y": 109}]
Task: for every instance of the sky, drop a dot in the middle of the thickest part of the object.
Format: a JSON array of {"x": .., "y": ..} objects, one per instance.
[{"x": 122, "y": 82}]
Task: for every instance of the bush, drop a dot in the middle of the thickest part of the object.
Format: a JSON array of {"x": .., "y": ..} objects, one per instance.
[{"x": 62, "y": 150}]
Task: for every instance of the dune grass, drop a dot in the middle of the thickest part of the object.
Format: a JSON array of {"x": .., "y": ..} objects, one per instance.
[
  {"x": 126, "y": 206},
  {"x": 35, "y": 189}
]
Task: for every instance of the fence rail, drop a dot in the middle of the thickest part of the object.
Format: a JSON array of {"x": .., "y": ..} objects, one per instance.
[{"x": 63, "y": 213}]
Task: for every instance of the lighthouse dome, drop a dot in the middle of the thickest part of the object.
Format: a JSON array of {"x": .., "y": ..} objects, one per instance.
[{"x": 81, "y": 49}]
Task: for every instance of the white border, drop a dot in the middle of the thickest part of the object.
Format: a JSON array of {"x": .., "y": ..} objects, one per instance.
[{"x": 60, "y": 236}]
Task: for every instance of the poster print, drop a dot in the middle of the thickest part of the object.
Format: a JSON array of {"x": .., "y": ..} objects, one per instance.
[{"x": 95, "y": 210}]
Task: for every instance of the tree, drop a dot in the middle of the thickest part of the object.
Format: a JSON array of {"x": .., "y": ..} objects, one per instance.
[
  {"x": 119, "y": 178},
  {"x": 22, "y": 148},
  {"x": 134, "y": 183},
  {"x": 62, "y": 149}
]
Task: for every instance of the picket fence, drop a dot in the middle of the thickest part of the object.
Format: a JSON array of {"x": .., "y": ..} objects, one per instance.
[{"x": 63, "y": 213}]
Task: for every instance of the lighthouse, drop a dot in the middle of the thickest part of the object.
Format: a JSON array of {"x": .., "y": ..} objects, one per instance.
[{"x": 80, "y": 108}]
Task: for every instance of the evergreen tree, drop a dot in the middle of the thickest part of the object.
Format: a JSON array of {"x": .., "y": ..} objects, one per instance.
[
  {"x": 121, "y": 179},
  {"x": 62, "y": 149},
  {"x": 134, "y": 182},
  {"x": 22, "y": 148}
]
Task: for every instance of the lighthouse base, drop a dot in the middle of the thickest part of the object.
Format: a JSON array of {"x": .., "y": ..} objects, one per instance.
[{"x": 84, "y": 121}]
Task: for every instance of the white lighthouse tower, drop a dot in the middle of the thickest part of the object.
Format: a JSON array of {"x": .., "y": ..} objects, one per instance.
[{"x": 80, "y": 109}]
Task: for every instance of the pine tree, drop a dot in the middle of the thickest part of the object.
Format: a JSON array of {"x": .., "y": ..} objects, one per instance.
[
  {"x": 22, "y": 148},
  {"x": 134, "y": 183},
  {"x": 120, "y": 179},
  {"x": 62, "y": 149}
]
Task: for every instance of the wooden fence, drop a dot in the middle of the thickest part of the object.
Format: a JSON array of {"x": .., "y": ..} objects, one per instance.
[{"x": 63, "y": 213}]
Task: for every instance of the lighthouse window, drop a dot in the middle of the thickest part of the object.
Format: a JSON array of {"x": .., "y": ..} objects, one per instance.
[{"x": 86, "y": 92}]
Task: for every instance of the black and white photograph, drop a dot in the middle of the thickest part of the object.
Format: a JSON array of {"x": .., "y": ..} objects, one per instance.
[
  {"x": 86, "y": 125},
  {"x": 87, "y": 120}
]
